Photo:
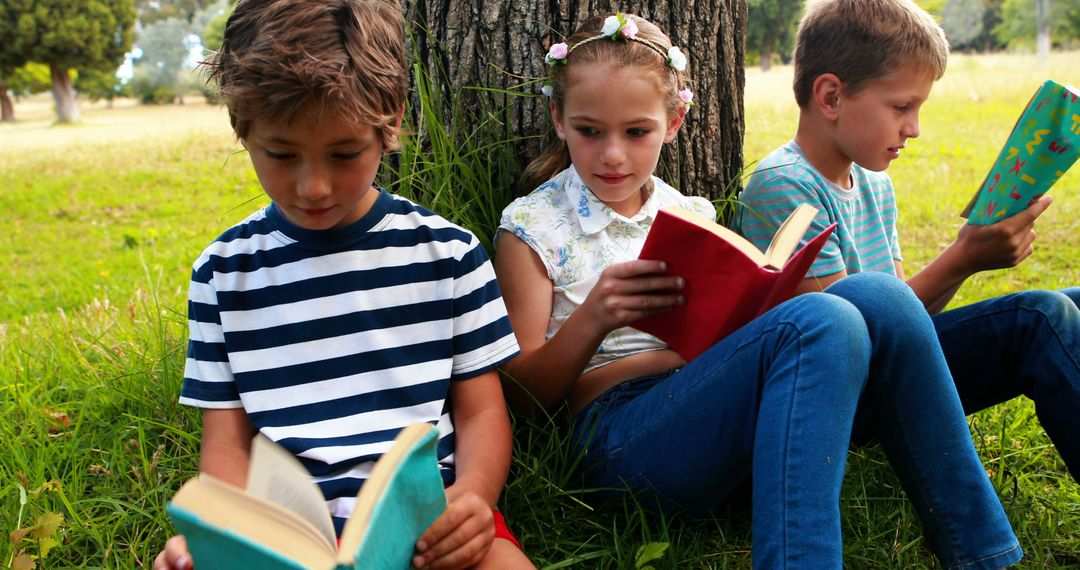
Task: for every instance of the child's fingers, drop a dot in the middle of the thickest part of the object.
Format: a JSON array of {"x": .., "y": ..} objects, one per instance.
[
  {"x": 463, "y": 521},
  {"x": 174, "y": 556},
  {"x": 465, "y": 556}
]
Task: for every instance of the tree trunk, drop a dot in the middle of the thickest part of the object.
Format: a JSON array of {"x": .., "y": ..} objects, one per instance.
[
  {"x": 7, "y": 109},
  {"x": 501, "y": 44},
  {"x": 766, "y": 50},
  {"x": 67, "y": 108},
  {"x": 1042, "y": 29}
]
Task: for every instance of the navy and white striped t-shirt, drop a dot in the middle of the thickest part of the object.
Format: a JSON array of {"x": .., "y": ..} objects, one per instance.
[{"x": 334, "y": 340}]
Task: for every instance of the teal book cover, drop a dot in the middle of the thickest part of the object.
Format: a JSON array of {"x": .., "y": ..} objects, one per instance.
[
  {"x": 229, "y": 527},
  {"x": 1042, "y": 146}
]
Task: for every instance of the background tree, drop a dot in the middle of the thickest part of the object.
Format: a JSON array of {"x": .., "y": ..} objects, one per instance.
[
  {"x": 963, "y": 21},
  {"x": 75, "y": 35},
  {"x": 1018, "y": 23},
  {"x": 770, "y": 28},
  {"x": 165, "y": 47},
  {"x": 501, "y": 44},
  {"x": 13, "y": 52},
  {"x": 151, "y": 11}
]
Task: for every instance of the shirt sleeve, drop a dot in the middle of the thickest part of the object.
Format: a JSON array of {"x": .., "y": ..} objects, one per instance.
[
  {"x": 483, "y": 339},
  {"x": 208, "y": 378}
]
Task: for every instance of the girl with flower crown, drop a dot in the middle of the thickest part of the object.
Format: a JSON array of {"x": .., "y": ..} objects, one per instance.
[{"x": 777, "y": 400}]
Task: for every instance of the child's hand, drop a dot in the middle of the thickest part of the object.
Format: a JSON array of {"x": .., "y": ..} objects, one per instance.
[
  {"x": 1003, "y": 244},
  {"x": 628, "y": 291},
  {"x": 174, "y": 556},
  {"x": 460, "y": 537}
]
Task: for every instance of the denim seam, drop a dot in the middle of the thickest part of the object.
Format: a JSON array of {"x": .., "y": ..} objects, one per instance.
[
  {"x": 972, "y": 563},
  {"x": 996, "y": 312}
]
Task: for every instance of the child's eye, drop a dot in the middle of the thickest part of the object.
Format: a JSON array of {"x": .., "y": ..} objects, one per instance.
[
  {"x": 586, "y": 131},
  {"x": 902, "y": 108},
  {"x": 637, "y": 132},
  {"x": 347, "y": 156},
  {"x": 275, "y": 155}
]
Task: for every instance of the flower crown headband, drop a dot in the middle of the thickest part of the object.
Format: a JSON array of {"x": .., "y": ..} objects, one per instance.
[{"x": 619, "y": 28}]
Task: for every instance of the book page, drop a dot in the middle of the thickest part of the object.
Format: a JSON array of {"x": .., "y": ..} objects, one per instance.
[
  {"x": 218, "y": 505},
  {"x": 788, "y": 236},
  {"x": 276, "y": 476},
  {"x": 737, "y": 241}
]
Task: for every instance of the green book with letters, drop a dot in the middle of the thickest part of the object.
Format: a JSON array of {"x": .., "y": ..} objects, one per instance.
[
  {"x": 280, "y": 519},
  {"x": 1042, "y": 146}
]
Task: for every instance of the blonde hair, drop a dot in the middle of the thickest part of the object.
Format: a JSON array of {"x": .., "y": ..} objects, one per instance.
[
  {"x": 585, "y": 48},
  {"x": 279, "y": 55},
  {"x": 862, "y": 40}
]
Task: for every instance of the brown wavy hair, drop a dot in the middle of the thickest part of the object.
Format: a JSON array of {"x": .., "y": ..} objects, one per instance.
[
  {"x": 279, "y": 55},
  {"x": 862, "y": 40},
  {"x": 618, "y": 53}
]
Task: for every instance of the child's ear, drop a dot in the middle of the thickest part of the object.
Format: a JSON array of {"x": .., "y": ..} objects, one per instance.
[
  {"x": 675, "y": 123},
  {"x": 825, "y": 94},
  {"x": 556, "y": 118}
]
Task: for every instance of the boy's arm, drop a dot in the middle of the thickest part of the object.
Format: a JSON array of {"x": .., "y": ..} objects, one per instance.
[
  {"x": 226, "y": 444},
  {"x": 462, "y": 535},
  {"x": 977, "y": 248}
]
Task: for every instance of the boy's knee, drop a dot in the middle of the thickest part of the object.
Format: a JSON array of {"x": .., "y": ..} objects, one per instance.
[{"x": 1057, "y": 307}]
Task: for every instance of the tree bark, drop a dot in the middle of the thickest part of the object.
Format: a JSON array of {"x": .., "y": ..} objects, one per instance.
[
  {"x": 67, "y": 108},
  {"x": 501, "y": 44},
  {"x": 7, "y": 108}
]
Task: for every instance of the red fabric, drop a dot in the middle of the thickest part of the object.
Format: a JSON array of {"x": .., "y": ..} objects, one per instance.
[{"x": 503, "y": 531}]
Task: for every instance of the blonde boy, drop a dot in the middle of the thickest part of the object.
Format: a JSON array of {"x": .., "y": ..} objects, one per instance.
[
  {"x": 341, "y": 313},
  {"x": 863, "y": 69}
]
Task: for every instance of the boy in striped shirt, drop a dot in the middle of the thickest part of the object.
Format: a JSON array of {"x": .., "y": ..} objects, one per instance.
[{"x": 340, "y": 313}]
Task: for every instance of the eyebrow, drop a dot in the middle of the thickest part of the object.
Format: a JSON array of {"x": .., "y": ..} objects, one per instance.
[
  {"x": 347, "y": 141},
  {"x": 638, "y": 121}
]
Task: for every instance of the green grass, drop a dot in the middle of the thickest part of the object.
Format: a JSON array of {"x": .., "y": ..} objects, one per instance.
[{"x": 103, "y": 219}]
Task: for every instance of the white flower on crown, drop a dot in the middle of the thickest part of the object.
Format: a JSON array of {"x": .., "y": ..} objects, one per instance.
[
  {"x": 611, "y": 25},
  {"x": 676, "y": 58},
  {"x": 548, "y": 90}
]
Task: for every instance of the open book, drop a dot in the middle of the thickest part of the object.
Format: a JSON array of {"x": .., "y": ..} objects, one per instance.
[
  {"x": 281, "y": 520},
  {"x": 728, "y": 281},
  {"x": 1043, "y": 144}
]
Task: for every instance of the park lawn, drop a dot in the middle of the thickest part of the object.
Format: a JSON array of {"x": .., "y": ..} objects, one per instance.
[{"x": 103, "y": 220}]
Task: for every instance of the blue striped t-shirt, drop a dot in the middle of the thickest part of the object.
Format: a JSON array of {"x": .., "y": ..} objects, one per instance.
[
  {"x": 865, "y": 238},
  {"x": 332, "y": 341}
]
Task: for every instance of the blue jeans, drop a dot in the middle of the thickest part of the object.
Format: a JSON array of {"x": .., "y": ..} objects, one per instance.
[
  {"x": 1025, "y": 343},
  {"x": 776, "y": 401}
]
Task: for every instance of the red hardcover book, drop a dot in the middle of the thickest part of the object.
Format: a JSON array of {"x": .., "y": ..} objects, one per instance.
[{"x": 729, "y": 281}]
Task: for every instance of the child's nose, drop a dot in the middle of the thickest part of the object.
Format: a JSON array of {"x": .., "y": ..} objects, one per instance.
[
  {"x": 314, "y": 183},
  {"x": 613, "y": 153},
  {"x": 911, "y": 128}
]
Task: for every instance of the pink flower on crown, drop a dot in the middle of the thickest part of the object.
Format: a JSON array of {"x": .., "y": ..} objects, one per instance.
[
  {"x": 629, "y": 29},
  {"x": 687, "y": 96},
  {"x": 556, "y": 53}
]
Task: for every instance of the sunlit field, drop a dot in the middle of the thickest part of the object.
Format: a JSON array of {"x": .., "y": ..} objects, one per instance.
[{"x": 103, "y": 219}]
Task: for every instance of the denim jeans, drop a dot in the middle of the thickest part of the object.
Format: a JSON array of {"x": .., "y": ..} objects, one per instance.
[
  {"x": 1025, "y": 343},
  {"x": 776, "y": 400}
]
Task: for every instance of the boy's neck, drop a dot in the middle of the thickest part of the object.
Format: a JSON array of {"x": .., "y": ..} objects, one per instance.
[{"x": 815, "y": 138}]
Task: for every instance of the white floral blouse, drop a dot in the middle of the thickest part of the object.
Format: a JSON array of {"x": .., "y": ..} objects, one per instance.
[{"x": 577, "y": 236}]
